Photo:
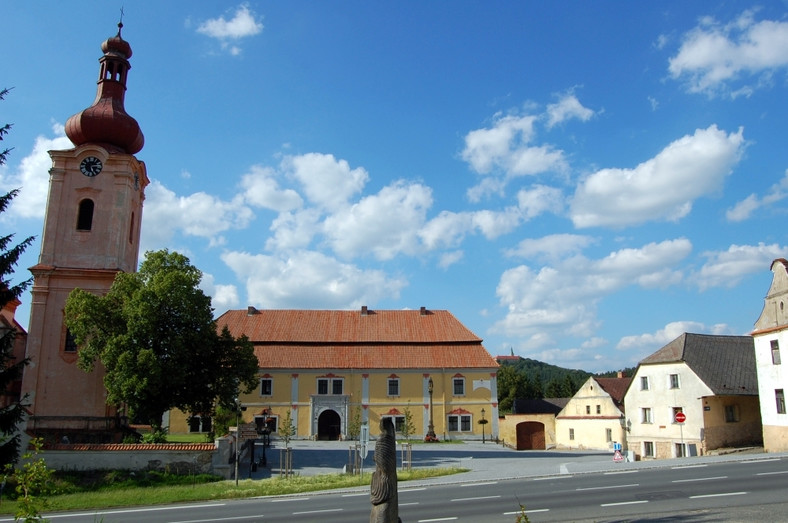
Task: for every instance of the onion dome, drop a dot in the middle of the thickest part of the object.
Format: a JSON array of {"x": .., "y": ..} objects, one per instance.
[{"x": 106, "y": 121}]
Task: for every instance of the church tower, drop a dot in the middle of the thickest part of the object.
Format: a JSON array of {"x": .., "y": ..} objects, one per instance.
[{"x": 91, "y": 232}]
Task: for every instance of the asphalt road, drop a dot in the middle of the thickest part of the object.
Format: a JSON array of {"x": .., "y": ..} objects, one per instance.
[{"x": 553, "y": 486}]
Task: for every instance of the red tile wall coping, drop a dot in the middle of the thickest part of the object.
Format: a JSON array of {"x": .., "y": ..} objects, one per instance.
[{"x": 137, "y": 447}]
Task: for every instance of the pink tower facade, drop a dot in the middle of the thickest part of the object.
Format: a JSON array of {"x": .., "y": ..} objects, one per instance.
[{"x": 91, "y": 233}]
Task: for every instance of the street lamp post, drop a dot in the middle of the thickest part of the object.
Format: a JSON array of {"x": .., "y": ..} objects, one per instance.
[
  {"x": 483, "y": 422},
  {"x": 431, "y": 428}
]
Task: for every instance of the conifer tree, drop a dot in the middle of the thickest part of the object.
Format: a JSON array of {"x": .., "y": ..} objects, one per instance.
[{"x": 11, "y": 413}]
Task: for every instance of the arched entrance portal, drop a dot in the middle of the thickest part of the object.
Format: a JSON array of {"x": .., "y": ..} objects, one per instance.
[
  {"x": 530, "y": 436},
  {"x": 329, "y": 425}
]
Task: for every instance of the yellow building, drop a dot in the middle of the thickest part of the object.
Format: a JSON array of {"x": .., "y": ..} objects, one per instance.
[{"x": 334, "y": 370}]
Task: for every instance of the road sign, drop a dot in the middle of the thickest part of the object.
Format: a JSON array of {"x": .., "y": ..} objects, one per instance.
[
  {"x": 680, "y": 417},
  {"x": 617, "y": 456},
  {"x": 364, "y": 440}
]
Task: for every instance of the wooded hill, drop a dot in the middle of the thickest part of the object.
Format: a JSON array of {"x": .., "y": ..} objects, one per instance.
[{"x": 531, "y": 379}]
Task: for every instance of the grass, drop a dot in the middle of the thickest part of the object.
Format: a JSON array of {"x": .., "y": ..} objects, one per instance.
[{"x": 107, "y": 489}]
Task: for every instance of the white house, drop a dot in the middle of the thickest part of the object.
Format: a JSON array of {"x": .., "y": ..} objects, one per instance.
[
  {"x": 711, "y": 381},
  {"x": 769, "y": 336},
  {"x": 592, "y": 418}
]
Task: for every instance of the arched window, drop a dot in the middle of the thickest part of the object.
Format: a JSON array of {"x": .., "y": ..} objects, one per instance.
[{"x": 85, "y": 216}]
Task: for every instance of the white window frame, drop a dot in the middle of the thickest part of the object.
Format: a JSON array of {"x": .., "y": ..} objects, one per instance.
[
  {"x": 779, "y": 396},
  {"x": 644, "y": 385},
  {"x": 608, "y": 435},
  {"x": 454, "y": 386},
  {"x": 571, "y": 434},
  {"x": 648, "y": 449},
  {"x": 674, "y": 382},
  {"x": 331, "y": 384},
  {"x": 646, "y": 415},
  {"x": 270, "y": 386},
  {"x": 775, "y": 352},
  {"x": 675, "y": 411},
  {"x": 460, "y": 421},
  {"x": 395, "y": 383}
]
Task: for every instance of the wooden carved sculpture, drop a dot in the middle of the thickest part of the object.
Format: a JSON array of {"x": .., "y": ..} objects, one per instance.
[{"x": 383, "y": 491}]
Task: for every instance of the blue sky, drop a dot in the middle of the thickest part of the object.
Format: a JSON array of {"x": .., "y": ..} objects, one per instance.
[{"x": 578, "y": 182}]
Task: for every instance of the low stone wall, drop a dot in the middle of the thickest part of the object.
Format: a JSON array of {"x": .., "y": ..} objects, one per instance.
[{"x": 177, "y": 458}]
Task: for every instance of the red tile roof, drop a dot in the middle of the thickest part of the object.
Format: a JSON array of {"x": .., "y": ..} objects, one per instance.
[
  {"x": 616, "y": 387},
  {"x": 341, "y": 339}
]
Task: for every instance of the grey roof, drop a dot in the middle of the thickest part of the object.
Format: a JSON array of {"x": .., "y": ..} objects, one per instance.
[
  {"x": 726, "y": 364},
  {"x": 539, "y": 406}
]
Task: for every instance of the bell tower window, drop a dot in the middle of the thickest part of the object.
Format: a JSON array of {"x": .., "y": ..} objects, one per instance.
[{"x": 85, "y": 215}]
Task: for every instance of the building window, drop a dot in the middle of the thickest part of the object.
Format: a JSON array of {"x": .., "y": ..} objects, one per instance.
[
  {"x": 266, "y": 386},
  {"x": 644, "y": 383},
  {"x": 648, "y": 449},
  {"x": 393, "y": 386},
  {"x": 731, "y": 413},
  {"x": 775, "y": 352},
  {"x": 645, "y": 415},
  {"x": 71, "y": 343},
  {"x": 681, "y": 450},
  {"x": 200, "y": 424},
  {"x": 399, "y": 422},
  {"x": 599, "y": 409},
  {"x": 676, "y": 410},
  {"x": 674, "y": 381},
  {"x": 779, "y": 395},
  {"x": 85, "y": 215},
  {"x": 459, "y": 386},
  {"x": 459, "y": 423},
  {"x": 588, "y": 409},
  {"x": 327, "y": 386},
  {"x": 270, "y": 422},
  {"x": 608, "y": 435},
  {"x": 571, "y": 434}
]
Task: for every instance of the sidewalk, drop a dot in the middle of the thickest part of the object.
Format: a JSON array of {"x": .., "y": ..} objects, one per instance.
[{"x": 486, "y": 462}]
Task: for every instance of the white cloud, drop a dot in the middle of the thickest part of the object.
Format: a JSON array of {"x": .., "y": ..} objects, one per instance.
[
  {"x": 566, "y": 108},
  {"x": 32, "y": 176},
  {"x": 713, "y": 56},
  {"x": 657, "y": 340},
  {"x": 561, "y": 299},
  {"x": 449, "y": 228},
  {"x": 450, "y": 258},
  {"x": 505, "y": 150},
  {"x": 727, "y": 268},
  {"x": 743, "y": 209},
  {"x": 294, "y": 230},
  {"x": 262, "y": 190},
  {"x": 552, "y": 247},
  {"x": 661, "y": 188},
  {"x": 198, "y": 214},
  {"x": 540, "y": 199},
  {"x": 385, "y": 224},
  {"x": 244, "y": 23},
  {"x": 309, "y": 280},
  {"x": 223, "y": 297},
  {"x": 326, "y": 181}
]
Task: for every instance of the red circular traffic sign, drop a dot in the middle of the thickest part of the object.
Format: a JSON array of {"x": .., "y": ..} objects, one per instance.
[{"x": 680, "y": 417}]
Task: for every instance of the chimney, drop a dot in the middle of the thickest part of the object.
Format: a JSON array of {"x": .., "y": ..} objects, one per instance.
[
  {"x": 250, "y": 310},
  {"x": 364, "y": 311},
  {"x": 423, "y": 311},
  {"x": 620, "y": 374}
]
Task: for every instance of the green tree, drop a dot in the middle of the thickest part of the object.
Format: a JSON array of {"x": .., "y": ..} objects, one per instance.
[
  {"x": 408, "y": 428},
  {"x": 286, "y": 429},
  {"x": 354, "y": 424},
  {"x": 155, "y": 335},
  {"x": 10, "y": 369},
  {"x": 33, "y": 482}
]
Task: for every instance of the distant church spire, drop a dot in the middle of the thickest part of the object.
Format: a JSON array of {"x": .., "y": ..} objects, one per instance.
[{"x": 106, "y": 121}]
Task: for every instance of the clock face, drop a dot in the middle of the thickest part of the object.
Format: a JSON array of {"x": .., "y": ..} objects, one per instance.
[{"x": 90, "y": 166}]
